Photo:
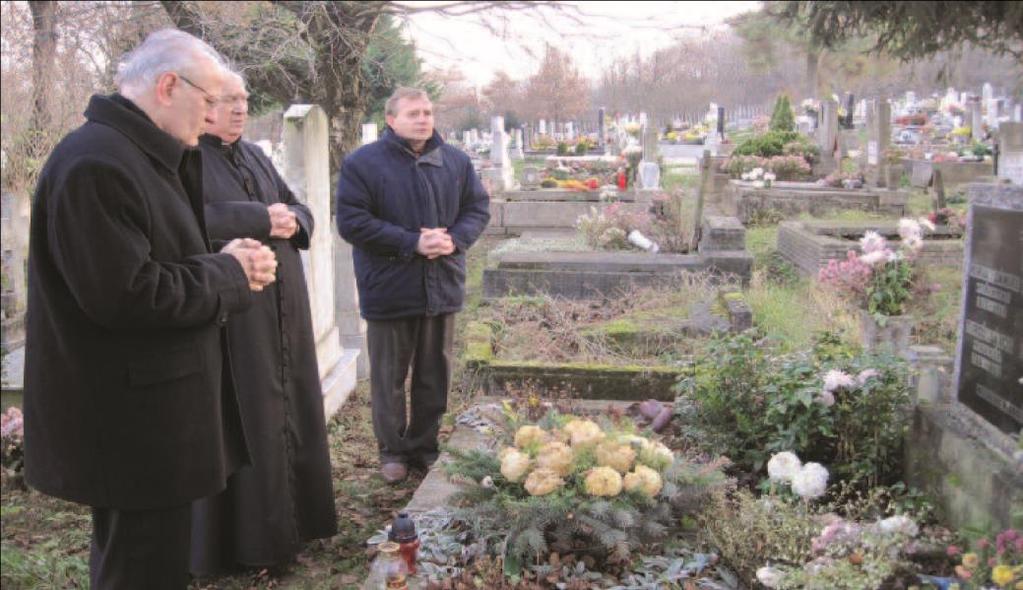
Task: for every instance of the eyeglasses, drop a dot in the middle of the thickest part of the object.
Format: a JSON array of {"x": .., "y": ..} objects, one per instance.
[{"x": 211, "y": 101}]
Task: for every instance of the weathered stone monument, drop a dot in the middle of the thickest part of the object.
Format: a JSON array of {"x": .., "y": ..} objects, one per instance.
[
  {"x": 827, "y": 137},
  {"x": 601, "y": 128},
  {"x": 649, "y": 172},
  {"x": 963, "y": 443},
  {"x": 307, "y": 171},
  {"x": 976, "y": 121},
  {"x": 501, "y": 172},
  {"x": 369, "y": 133},
  {"x": 879, "y": 130},
  {"x": 1010, "y": 150},
  {"x": 517, "y": 152}
]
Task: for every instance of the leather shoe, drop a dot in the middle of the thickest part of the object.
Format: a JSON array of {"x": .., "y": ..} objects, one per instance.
[{"x": 393, "y": 472}]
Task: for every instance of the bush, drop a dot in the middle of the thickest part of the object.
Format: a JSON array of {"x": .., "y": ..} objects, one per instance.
[
  {"x": 783, "y": 167},
  {"x": 767, "y": 145},
  {"x": 562, "y": 148},
  {"x": 782, "y": 119},
  {"x": 748, "y": 404}
]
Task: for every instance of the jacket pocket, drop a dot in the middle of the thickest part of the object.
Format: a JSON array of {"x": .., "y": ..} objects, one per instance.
[{"x": 163, "y": 367}]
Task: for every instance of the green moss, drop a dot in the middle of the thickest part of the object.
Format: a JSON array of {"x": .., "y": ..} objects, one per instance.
[
  {"x": 478, "y": 348},
  {"x": 583, "y": 367}
]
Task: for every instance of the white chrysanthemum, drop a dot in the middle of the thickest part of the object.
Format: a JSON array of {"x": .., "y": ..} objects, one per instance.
[
  {"x": 872, "y": 242},
  {"x": 913, "y": 243},
  {"x": 487, "y": 482},
  {"x": 657, "y": 456},
  {"x": 835, "y": 379},
  {"x": 874, "y": 258},
  {"x": 893, "y": 256},
  {"x": 769, "y": 576},
  {"x": 756, "y": 173},
  {"x": 556, "y": 456},
  {"x": 923, "y": 221},
  {"x": 616, "y": 456},
  {"x": 583, "y": 432},
  {"x": 745, "y": 175},
  {"x": 825, "y": 398},
  {"x": 643, "y": 479},
  {"x": 603, "y": 481},
  {"x": 866, "y": 374},
  {"x": 909, "y": 228},
  {"x": 527, "y": 435},
  {"x": 782, "y": 467},
  {"x": 770, "y": 176},
  {"x": 542, "y": 482},
  {"x": 514, "y": 465},
  {"x": 811, "y": 481},
  {"x": 898, "y": 524}
]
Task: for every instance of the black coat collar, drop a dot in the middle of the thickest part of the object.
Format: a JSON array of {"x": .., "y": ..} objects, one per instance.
[
  {"x": 431, "y": 154},
  {"x": 122, "y": 114}
]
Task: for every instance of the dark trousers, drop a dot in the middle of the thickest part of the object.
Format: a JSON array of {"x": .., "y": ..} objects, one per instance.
[
  {"x": 135, "y": 549},
  {"x": 423, "y": 344}
]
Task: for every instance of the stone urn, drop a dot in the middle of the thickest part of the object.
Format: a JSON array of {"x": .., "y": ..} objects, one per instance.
[{"x": 890, "y": 332}]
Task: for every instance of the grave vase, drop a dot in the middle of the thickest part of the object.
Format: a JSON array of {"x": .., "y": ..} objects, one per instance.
[{"x": 892, "y": 333}]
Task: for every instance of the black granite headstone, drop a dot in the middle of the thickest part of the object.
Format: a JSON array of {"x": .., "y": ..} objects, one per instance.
[
  {"x": 721, "y": 122},
  {"x": 989, "y": 360}
]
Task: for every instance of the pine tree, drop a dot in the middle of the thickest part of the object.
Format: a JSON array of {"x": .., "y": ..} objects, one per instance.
[{"x": 782, "y": 119}]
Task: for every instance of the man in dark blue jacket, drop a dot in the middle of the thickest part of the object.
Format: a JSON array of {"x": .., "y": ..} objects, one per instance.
[{"x": 411, "y": 206}]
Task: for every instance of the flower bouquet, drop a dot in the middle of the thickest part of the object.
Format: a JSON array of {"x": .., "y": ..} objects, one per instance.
[{"x": 567, "y": 484}]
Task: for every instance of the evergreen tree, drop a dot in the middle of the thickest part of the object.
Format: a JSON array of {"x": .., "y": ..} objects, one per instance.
[{"x": 782, "y": 119}]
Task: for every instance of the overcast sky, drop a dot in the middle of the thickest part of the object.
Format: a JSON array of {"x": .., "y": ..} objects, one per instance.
[{"x": 597, "y": 33}]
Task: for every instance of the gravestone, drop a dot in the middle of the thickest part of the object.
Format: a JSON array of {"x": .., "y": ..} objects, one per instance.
[
  {"x": 1017, "y": 113},
  {"x": 989, "y": 356},
  {"x": 307, "y": 172},
  {"x": 369, "y": 133},
  {"x": 601, "y": 127},
  {"x": 542, "y": 128},
  {"x": 976, "y": 122},
  {"x": 992, "y": 113},
  {"x": 827, "y": 137},
  {"x": 501, "y": 172},
  {"x": 650, "y": 148},
  {"x": 879, "y": 127},
  {"x": 1010, "y": 149},
  {"x": 721, "y": 122},
  {"x": 530, "y": 177},
  {"x": 517, "y": 153}
]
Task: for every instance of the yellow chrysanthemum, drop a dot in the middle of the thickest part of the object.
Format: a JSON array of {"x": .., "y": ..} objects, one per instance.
[
  {"x": 527, "y": 435},
  {"x": 556, "y": 456},
  {"x": 1002, "y": 575},
  {"x": 643, "y": 479},
  {"x": 543, "y": 481},
  {"x": 514, "y": 465},
  {"x": 603, "y": 481},
  {"x": 583, "y": 432},
  {"x": 616, "y": 456}
]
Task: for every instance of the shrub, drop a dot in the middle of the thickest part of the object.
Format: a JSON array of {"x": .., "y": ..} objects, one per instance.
[
  {"x": 766, "y": 145},
  {"x": 831, "y": 406},
  {"x": 562, "y": 148},
  {"x": 782, "y": 118},
  {"x": 783, "y": 167}
]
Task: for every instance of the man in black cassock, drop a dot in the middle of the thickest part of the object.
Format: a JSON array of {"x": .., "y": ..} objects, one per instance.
[{"x": 286, "y": 496}]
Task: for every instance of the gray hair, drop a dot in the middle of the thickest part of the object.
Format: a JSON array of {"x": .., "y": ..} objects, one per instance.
[
  {"x": 167, "y": 50},
  {"x": 391, "y": 106}
]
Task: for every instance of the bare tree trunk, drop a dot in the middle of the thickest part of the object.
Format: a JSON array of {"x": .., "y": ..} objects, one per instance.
[
  {"x": 44, "y": 53},
  {"x": 813, "y": 58}
]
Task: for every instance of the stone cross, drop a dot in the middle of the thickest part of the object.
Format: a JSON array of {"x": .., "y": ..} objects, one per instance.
[{"x": 307, "y": 172}]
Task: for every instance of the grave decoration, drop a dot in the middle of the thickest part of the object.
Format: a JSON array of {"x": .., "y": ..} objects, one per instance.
[
  {"x": 585, "y": 173},
  {"x": 565, "y": 484},
  {"x": 613, "y": 227},
  {"x": 881, "y": 281},
  {"x": 780, "y": 150}
]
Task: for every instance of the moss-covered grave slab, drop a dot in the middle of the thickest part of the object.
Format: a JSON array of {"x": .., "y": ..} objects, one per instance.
[{"x": 791, "y": 199}]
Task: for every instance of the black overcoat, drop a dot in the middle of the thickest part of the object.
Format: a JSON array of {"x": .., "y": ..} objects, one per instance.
[
  {"x": 125, "y": 397},
  {"x": 286, "y": 495}
]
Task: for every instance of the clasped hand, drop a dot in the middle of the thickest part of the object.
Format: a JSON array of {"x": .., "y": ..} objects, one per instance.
[
  {"x": 434, "y": 242},
  {"x": 283, "y": 223},
  {"x": 258, "y": 261}
]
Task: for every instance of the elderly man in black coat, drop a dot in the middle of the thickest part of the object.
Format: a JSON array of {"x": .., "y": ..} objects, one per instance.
[
  {"x": 411, "y": 206},
  {"x": 286, "y": 496},
  {"x": 129, "y": 404}
]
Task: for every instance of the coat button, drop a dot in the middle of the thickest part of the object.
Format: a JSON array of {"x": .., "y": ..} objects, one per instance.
[{"x": 222, "y": 320}]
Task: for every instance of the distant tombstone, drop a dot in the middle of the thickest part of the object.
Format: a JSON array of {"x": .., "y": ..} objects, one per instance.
[
  {"x": 569, "y": 130},
  {"x": 542, "y": 128},
  {"x": 650, "y": 149},
  {"x": 850, "y": 103},
  {"x": 879, "y": 129},
  {"x": 827, "y": 136},
  {"x": 649, "y": 174},
  {"x": 923, "y": 172},
  {"x": 989, "y": 353},
  {"x": 1017, "y": 113},
  {"x": 721, "y": 122},
  {"x": 601, "y": 127},
  {"x": 527, "y": 137},
  {"x": 530, "y": 177},
  {"x": 976, "y": 122},
  {"x": 517, "y": 152},
  {"x": 369, "y": 133},
  {"x": 992, "y": 113},
  {"x": 642, "y": 119},
  {"x": 987, "y": 91},
  {"x": 1010, "y": 150},
  {"x": 466, "y": 139}
]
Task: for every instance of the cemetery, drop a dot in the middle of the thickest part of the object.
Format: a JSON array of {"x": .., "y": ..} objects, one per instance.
[{"x": 726, "y": 329}]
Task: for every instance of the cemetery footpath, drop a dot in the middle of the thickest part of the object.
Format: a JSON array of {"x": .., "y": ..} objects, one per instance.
[{"x": 665, "y": 384}]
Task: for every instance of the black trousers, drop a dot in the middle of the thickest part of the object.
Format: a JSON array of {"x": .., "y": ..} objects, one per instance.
[
  {"x": 422, "y": 344},
  {"x": 135, "y": 549}
]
